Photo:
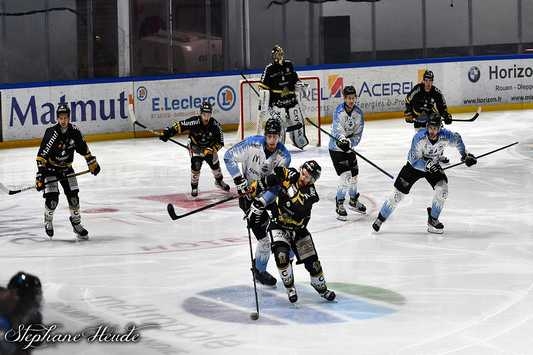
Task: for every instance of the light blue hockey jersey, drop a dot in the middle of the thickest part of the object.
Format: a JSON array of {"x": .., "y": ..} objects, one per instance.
[
  {"x": 423, "y": 150},
  {"x": 250, "y": 153},
  {"x": 348, "y": 126}
]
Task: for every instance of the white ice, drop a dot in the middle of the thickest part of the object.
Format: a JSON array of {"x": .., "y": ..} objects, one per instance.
[{"x": 400, "y": 291}]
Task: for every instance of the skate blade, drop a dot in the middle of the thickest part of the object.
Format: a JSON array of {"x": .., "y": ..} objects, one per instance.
[
  {"x": 342, "y": 218},
  {"x": 435, "y": 231},
  {"x": 356, "y": 210},
  {"x": 81, "y": 238}
]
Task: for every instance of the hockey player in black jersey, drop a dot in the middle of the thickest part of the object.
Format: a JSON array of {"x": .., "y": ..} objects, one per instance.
[
  {"x": 205, "y": 140},
  {"x": 54, "y": 161},
  {"x": 278, "y": 98},
  {"x": 291, "y": 212},
  {"x": 424, "y": 99}
]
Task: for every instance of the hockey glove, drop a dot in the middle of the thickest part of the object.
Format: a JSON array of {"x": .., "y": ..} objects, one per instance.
[
  {"x": 433, "y": 167},
  {"x": 469, "y": 159},
  {"x": 255, "y": 212},
  {"x": 409, "y": 117},
  {"x": 241, "y": 184},
  {"x": 39, "y": 181},
  {"x": 344, "y": 144},
  {"x": 167, "y": 133},
  {"x": 208, "y": 151},
  {"x": 447, "y": 117},
  {"x": 92, "y": 164},
  {"x": 293, "y": 175}
]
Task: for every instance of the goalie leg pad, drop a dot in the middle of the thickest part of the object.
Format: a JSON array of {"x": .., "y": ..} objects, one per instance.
[
  {"x": 295, "y": 118},
  {"x": 439, "y": 197}
]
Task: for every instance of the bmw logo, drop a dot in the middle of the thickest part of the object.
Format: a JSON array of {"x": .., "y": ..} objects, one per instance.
[{"x": 474, "y": 74}]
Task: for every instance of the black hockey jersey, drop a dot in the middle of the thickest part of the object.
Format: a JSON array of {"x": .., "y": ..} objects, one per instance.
[
  {"x": 57, "y": 148},
  {"x": 419, "y": 101},
  {"x": 292, "y": 208},
  {"x": 280, "y": 80},
  {"x": 201, "y": 136}
]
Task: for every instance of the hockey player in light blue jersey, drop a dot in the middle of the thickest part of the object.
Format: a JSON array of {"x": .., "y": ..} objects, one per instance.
[
  {"x": 347, "y": 128},
  {"x": 423, "y": 162},
  {"x": 258, "y": 156}
]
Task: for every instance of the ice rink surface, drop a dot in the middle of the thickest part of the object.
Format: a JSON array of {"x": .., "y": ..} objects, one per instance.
[{"x": 401, "y": 291}]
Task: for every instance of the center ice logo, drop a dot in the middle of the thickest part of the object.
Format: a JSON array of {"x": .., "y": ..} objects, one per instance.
[{"x": 354, "y": 303}]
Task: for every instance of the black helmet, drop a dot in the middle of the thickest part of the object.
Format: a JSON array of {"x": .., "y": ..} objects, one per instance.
[
  {"x": 206, "y": 107},
  {"x": 62, "y": 108},
  {"x": 26, "y": 285},
  {"x": 434, "y": 119},
  {"x": 277, "y": 52},
  {"x": 272, "y": 126},
  {"x": 313, "y": 169},
  {"x": 428, "y": 74},
  {"x": 348, "y": 90}
]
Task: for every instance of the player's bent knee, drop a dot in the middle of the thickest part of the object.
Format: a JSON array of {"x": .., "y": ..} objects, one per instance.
[
  {"x": 51, "y": 200},
  {"x": 312, "y": 265},
  {"x": 441, "y": 190},
  {"x": 281, "y": 254}
]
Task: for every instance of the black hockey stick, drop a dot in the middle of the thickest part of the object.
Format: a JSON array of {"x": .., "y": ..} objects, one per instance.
[
  {"x": 174, "y": 216},
  {"x": 359, "y": 155},
  {"x": 12, "y": 192},
  {"x": 131, "y": 112},
  {"x": 253, "y": 315},
  {"x": 476, "y": 115},
  {"x": 482, "y": 155},
  {"x": 159, "y": 134}
]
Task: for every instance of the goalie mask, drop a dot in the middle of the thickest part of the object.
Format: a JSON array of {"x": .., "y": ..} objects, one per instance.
[{"x": 277, "y": 54}]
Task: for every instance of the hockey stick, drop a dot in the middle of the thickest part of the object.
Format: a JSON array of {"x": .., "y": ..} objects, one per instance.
[
  {"x": 476, "y": 115},
  {"x": 12, "y": 192},
  {"x": 174, "y": 216},
  {"x": 362, "y": 157},
  {"x": 131, "y": 112},
  {"x": 159, "y": 134},
  {"x": 253, "y": 315},
  {"x": 482, "y": 155}
]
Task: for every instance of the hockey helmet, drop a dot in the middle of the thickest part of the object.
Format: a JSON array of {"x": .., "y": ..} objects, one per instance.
[
  {"x": 428, "y": 74},
  {"x": 26, "y": 285},
  {"x": 277, "y": 53},
  {"x": 313, "y": 169},
  {"x": 62, "y": 108},
  {"x": 206, "y": 107},
  {"x": 272, "y": 126},
  {"x": 348, "y": 90},
  {"x": 434, "y": 120}
]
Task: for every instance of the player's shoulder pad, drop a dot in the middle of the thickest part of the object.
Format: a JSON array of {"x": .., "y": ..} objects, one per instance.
[
  {"x": 255, "y": 140},
  {"x": 447, "y": 133},
  {"x": 421, "y": 134},
  {"x": 436, "y": 89},
  {"x": 281, "y": 147},
  {"x": 358, "y": 110}
]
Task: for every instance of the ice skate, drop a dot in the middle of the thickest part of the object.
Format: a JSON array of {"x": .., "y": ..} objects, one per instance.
[
  {"x": 221, "y": 185},
  {"x": 340, "y": 210},
  {"x": 328, "y": 295},
  {"x": 48, "y": 225},
  {"x": 264, "y": 277},
  {"x": 378, "y": 222},
  {"x": 194, "y": 190},
  {"x": 434, "y": 226},
  {"x": 81, "y": 233},
  {"x": 291, "y": 293},
  {"x": 357, "y": 206}
]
